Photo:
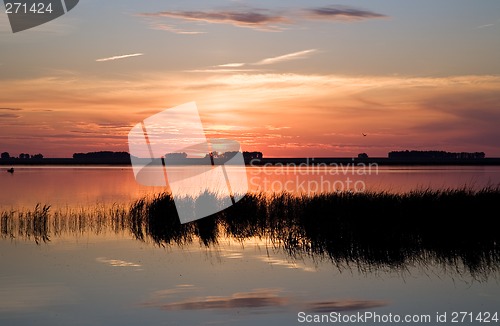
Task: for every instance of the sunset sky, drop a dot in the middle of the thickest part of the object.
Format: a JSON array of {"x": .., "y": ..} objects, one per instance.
[{"x": 288, "y": 78}]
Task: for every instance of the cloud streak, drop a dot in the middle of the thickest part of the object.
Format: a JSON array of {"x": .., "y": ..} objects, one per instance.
[
  {"x": 286, "y": 57},
  {"x": 9, "y": 115},
  {"x": 10, "y": 109},
  {"x": 119, "y": 57},
  {"x": 255, "y": 18},
  {"x": 235, "y": 67},
  {"x": 342, "y": 13},
  {"x": 232, "y": 65},
  {"x": 175, "y": 30}
]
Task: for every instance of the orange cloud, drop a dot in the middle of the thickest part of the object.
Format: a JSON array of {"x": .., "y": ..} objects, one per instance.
[{"x": 279, "y": 114}]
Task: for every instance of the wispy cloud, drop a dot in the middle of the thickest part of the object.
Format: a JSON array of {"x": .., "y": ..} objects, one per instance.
[
  {"x": 337, "y": 12},
  {"x": 287, "y": 57},
  {"x": 118, "y": 57},
  {"x": 232, "y": 65},
  {"x": 484, "y": 26},
  {"x": 219, "y": 70},
  {"x": 236, "y": 67},
  {"x": 265, "y": 19},
  {"x": 173, "y": 29},
  {"x": 253, "y": 18},
  {"x": 9, "y": 115},
  {"x": 274, "y": 128},
  {"x": 10, "y": 109}
]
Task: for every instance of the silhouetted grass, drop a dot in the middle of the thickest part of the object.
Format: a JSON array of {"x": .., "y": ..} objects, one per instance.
[
  {"x": 451, "y": 227},
  {"x": 40, "y": 224},
  {"x": 455, "y": 228},
  {"x": 31, "y": 224}
]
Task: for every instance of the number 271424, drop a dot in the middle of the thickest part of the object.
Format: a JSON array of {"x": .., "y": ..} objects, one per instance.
[{"x": 24, "y": 8}]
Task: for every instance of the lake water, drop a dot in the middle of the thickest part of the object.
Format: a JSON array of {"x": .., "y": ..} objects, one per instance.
[
  {"x": 90, "y": 185},
  {"x": 102, "y": 274}
]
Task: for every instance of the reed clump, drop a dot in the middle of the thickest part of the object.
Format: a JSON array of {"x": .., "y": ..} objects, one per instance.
[{"x": 452, "y": 227}]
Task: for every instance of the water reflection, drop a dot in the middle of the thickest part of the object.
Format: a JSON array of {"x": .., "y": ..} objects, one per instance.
[
  {"x": 259, "y": 300},
  {"x": 367, "y": 231},
  {"x": 265, "y": 300}
]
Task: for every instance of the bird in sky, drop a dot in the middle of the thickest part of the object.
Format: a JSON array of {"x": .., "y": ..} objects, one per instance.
[{"x": 364, "y": 135}]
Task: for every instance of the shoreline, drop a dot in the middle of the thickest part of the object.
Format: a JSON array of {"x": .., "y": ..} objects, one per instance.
[{"x": 325, "y": 161}]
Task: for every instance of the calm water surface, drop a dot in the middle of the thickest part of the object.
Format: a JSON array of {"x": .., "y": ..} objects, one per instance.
[
  {"x": 105, "y": 276},
  {"x": 89, "y": 185}
]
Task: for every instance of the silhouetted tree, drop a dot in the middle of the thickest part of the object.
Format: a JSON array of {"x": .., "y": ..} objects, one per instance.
[
  {"x": 252, "y": 155},
  {"x": 37, "y": 156},
  {"x": 213, "y": 154},
  {"x": 5, "y": 155},
  {"x": 176, "y": 156},
  {"x": 247, "y": 156},
  {"x": 228, "y": 155},
  {"x": 362, "y": 155}
]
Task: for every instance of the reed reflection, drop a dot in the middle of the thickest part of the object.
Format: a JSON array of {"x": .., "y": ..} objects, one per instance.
[{"x": 371, "y": 231}]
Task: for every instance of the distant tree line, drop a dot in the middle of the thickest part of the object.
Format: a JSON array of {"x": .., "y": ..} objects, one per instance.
[
  {"x": 436, "y": 155},
  {"x": 102, "y": 155},
  {"x": 247, "y": 156},
  {"x": 176, "y": 156},
  {"x": 252, "y": 155},
  {"x": 218, "y": 155},
  {"x": 22, "y": 156},
  {"x": 181, "y": 155}
]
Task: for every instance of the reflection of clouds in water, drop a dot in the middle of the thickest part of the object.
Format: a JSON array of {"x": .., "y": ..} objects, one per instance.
[
  {"x": 177, "y": 291},
  {"x": 186, "y": 300},
  {"x": 259, "y": 299},
  {"x": 258, "y": 244},
  {"x": 117, "y": 262},
  {"x": 344, "y": 305},
  {"x": 232, "y": 255},
  {"x": 286, "y": 264},
  {"x": 29, "y": 297}
]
